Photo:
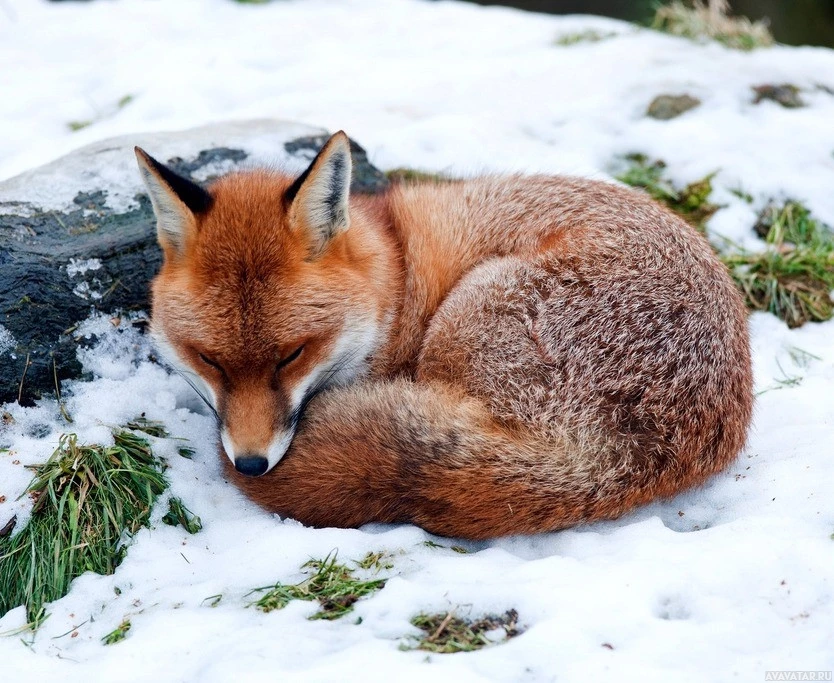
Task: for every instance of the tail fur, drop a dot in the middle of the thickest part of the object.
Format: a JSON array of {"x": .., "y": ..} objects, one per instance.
[{"x": 426, "y": 454}]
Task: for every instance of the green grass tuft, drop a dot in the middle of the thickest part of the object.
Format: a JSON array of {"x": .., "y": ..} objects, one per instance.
[
  {"x": 794, "y": 276},
  {"x": 691, "y": 203},
  {"x": 586, "y": 36},
  {"x": 377, "y": 561},
  {"x": 710, "y": 19},
  {"x": 75, "y": 126},
  {"x": 792, "y": 223},
  {"x": 87, "y": 497},
  {"x": 741, "y": 194},
  {"x": 412, "y": 175},
  {"x": 212, "y": 600},
  {"x": 445, "y": 633},
  {"x": 118, "y": 634},
  {"x": 432, "y": 544},
  {"x": 180, "y": 515},
  {"x": 149, "y": 427},
  {"x": 332, "y": 584}
]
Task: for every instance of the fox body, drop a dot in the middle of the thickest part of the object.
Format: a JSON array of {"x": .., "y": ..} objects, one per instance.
[{"x": 483, "y": 357}]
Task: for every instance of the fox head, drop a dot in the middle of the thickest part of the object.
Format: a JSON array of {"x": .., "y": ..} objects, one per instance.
[{"x": 263, "y": 300}]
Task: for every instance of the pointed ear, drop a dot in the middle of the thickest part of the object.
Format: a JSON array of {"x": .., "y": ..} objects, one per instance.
[
  {"x": 176, "y": 202},
  {"x": 319, "y": 197}
]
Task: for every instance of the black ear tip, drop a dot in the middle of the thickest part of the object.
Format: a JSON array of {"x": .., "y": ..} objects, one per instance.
[
  {"x": 190, "y": 193},
  {"x": 147, "y": 160}
]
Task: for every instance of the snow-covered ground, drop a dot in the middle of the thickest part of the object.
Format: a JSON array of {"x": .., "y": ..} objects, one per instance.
[{"x": 722, "y": 583}]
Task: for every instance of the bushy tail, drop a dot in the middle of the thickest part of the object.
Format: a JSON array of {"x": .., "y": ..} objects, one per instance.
[{"x": 421, "y": 453}]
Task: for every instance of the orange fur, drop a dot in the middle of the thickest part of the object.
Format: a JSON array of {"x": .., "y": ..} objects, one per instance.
[{"x": 535, "y": 351}]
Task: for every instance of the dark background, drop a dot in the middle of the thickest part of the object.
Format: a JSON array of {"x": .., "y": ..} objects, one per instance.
[{"x": 794, "y": 22}]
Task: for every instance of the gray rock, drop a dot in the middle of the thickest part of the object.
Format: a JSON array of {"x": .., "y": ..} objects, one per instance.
[
  {"x": 665, "y": 107},
  {"x": 785, "y": 94},
  {"x": 78, "y": 235}
]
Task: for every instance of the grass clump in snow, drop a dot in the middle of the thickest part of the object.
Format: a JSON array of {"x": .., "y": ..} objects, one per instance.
[
  {"x": 792, "y": 222},
  {"x": 118, "y": 634},
  {"x": 75, "y": 126},
  {"x": 186, "y": 452},
  {"x": 691, "y": 203},
  {"x": 87, "y": 497},
  {"x": 376, "y": 560},
  {"x": 586, "y": 36},
  {"x": 711, "y": 19},
  {"x": 149, "y": 427},
  {"x": 180, "y": 515},
  {"x": 794, "y": 276},
  {"x": 413, "y": 175},
  {"x": 333, "y": 585},
  {"x": 445, "y": 633}
]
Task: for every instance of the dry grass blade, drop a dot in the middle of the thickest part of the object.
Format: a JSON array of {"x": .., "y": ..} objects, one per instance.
[
  {"x": 711, "y": 19},
  {"x": 87, "y": 499}
]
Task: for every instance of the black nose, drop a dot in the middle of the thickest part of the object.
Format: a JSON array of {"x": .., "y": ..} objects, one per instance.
[{"x": 251, "y": 465}]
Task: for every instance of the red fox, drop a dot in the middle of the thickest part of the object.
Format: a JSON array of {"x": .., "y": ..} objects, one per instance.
[{"x": 501, "y": 355}]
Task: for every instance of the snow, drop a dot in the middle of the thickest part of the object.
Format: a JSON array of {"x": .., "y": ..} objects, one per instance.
[
  {"x": 84, "y": 289},
  {"x": 111, "y": 164},
  {"x": 6, "y": 340},
  {"x": 725, "y": 582},
  {"x": 80, "y": 266}
]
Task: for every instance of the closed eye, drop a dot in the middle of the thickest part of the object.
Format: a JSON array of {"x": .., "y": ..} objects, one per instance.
[
  {"x": 289, "y": 359},
  {"x": 210, "y": 362}
]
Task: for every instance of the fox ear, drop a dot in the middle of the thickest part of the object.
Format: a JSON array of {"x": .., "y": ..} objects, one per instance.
[
  {"x": 319, "y": 197},
  {"x": 176, "y": 202}
]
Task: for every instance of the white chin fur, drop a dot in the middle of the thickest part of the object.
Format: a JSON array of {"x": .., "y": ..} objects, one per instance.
[
  {"x": 228, "y": 446},
  {"x": 274, "y": 452},
  {"x": 278, "y": 447}
]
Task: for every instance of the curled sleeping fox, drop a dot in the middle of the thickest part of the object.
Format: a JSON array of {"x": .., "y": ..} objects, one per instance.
[{"x": 501, "y": 355}]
